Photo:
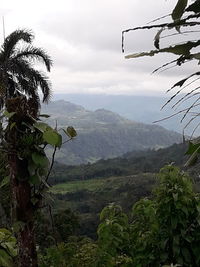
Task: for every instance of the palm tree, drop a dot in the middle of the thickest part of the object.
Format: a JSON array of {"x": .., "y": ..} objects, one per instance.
[
  {"x": 20, "y": 83},
  {"x": 17, "y": 74}
]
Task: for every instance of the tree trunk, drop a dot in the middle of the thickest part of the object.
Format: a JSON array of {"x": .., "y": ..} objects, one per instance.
[{"x": 22, "y": 211}]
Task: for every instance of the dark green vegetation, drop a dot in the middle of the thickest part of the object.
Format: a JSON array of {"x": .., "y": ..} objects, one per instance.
[
  {"x": 86, "y": 189},
  {"x": 160, "y": 231},
  {"x": 129, "y": 164},
  {"x": 163, "y": 227},
  {"x": 104, "y": 134}
]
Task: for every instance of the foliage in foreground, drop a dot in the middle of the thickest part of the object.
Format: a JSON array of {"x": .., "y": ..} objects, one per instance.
[
  {"x": 8, "y": 251},
  {"x": 163, "y": 231}
]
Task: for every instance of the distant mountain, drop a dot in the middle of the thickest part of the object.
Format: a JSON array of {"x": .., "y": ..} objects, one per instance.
[
  {"x": 104, "y": 134},
  {"x": 146, "y": 109}
]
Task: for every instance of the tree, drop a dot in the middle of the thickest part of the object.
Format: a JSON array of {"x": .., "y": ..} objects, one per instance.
[
  {"x": 19, "y": 84},
  {"x": 17, "y": 75},
  {"x": 185, "y": 20}
]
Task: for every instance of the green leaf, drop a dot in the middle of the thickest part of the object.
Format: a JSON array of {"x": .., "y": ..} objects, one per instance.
[
  {"x": 35, "y": 179},
  {"x": 12, "y": 125},
  {"x": 5, "y": 181},
  {"x": 5, "y": 259},
  {"x": 192, "y": 148},
  {"x": 40, "y": 160},
  {"x": 18, "y": 226},
  {"x": 53, "y": 138},
  {"x": 179, "y": 9},
  {"x": 9, "y": 114},
  {"x": 71, "y": 132},
  {"x": 41, "y": 126}
]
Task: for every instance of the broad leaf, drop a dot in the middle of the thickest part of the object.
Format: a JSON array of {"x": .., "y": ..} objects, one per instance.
[
  {"x": 40, "y": 160},
  {"x": 41, "y": 126},
  {"x": 52, "y": 137}
]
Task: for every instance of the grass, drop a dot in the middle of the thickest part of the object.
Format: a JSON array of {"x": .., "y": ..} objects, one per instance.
[
  {"x": 70, "y": 187},
  {"x": 94, "y": 185}
]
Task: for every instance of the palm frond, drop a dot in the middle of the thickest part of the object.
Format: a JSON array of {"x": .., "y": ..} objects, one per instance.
[
  {"x": 12, "y": 40},
  {"x": 17, "y": 73},
  {"x": 33, "y": 53},
  {"x": 36, "y": 79}
]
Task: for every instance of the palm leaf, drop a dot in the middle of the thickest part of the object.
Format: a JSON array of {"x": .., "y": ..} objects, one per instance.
[
  {"x": 13, "y": 39},
  {"x": 33, "y": 53}
]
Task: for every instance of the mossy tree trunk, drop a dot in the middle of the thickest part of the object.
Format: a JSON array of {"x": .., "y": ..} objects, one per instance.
[{"x": 22, "y": 209}]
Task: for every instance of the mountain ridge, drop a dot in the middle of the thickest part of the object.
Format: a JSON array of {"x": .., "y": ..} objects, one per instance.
[{"x": 103, "y": 133}]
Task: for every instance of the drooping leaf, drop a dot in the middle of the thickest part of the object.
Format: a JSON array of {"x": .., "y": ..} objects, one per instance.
[
  {"x": 53, "y": 138},
  {"x": 180, "y": 83},
  {"x": 157, "y": 39}
]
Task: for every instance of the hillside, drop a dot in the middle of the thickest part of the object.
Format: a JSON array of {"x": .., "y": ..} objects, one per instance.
[
  {"x": 86, "y": 189},
  {"x": 104, "y": 134},
  {"x": 132, "y": 163},
  {"x": 145, "y": 109}
]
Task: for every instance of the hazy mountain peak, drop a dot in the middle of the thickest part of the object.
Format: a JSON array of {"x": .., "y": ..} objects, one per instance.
[{"x": 104, "y": 134}]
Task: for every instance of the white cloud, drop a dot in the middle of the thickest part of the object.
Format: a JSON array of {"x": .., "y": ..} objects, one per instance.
[{"x": 84, "y": 40}]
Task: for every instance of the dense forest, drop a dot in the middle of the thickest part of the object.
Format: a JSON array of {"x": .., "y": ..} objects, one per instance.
[{"x": 141, "y": 209}]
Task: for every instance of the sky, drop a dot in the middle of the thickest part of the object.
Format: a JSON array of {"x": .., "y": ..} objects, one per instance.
[{"x": 83, "y": 38}]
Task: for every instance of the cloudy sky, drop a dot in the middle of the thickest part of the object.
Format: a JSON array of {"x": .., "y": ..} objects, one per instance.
[{"x": 84, "y": 39}]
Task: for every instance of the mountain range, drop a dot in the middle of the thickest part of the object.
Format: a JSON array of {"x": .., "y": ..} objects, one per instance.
[
  {"x": 103, "y": 134},
  {"x": 146, "y": 109}
]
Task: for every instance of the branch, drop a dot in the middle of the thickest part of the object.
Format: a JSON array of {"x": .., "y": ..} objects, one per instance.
[{"x": 182, "y": 22}]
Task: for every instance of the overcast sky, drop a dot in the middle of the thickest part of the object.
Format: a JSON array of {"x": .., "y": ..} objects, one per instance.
[{"x": 83, "y": 38}]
